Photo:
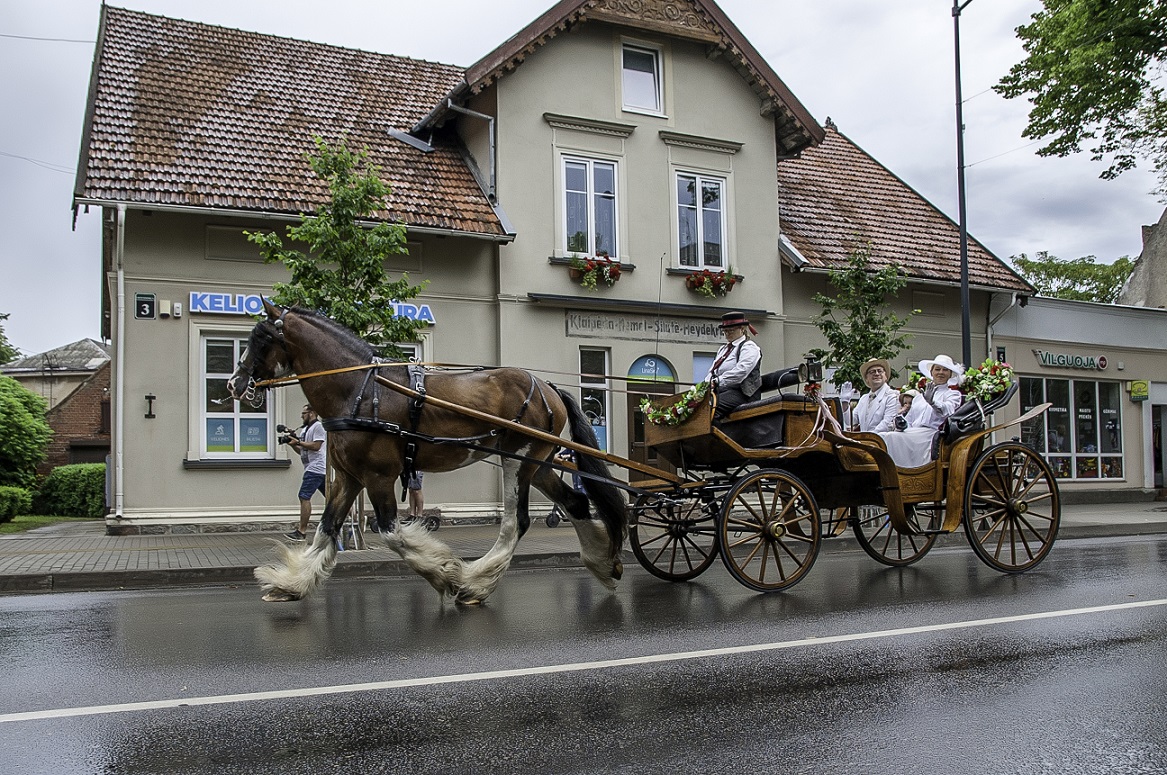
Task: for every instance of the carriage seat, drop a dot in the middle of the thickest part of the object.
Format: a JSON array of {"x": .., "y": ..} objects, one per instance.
[
  {"x": 971, "y": 417},
  {"x": 776, "y": 380}
]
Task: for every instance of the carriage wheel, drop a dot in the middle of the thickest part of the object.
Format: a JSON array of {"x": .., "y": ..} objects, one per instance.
[
  {"x": 883, "y": 543},
  {"x": 769, "y": 530},
  {"x": 1011, "y": 507},
  {"x": 674, "y": 539}
]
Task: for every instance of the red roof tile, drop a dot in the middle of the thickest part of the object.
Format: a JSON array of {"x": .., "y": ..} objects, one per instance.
[
  {"x": 193, "y": 115},
  {"x": 835, "y": 196}
]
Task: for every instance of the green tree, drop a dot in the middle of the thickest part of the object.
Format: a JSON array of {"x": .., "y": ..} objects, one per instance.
[
  {"x": 343, "y": 275},
  {"x": 856, "y": 321},
  {"x": 1080, "y": 279},
  {"x": 1091, "y": 72},
  {"x": 7, "y": 351},
  {"x": 24, "y": 433}
]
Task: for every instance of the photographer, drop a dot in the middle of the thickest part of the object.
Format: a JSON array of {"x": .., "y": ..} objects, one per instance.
[{"x": 311, "y": 443}]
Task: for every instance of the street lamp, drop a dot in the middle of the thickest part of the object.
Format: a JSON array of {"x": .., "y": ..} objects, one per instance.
[{"x": 966, "y": 342}]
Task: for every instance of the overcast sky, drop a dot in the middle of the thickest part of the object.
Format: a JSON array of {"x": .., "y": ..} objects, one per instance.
[{"x": 883, "y": 71}]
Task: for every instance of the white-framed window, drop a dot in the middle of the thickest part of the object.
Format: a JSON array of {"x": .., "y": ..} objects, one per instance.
[
  {"x": 1081, "y": 434},
  {"x": 227, "y": 428},
  {"x": 590, "y": 206},
  {"x": 701, "y": 221},
  {"x": 594, "y": 393},
  {"x": 641, "y": 80}
]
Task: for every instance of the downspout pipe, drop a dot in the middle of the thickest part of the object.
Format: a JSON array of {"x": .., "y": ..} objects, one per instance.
[
  {"x": 120, "y": 349},
  {"x": 1013, "y": 300},
  {"x": 492, "y": 191}
]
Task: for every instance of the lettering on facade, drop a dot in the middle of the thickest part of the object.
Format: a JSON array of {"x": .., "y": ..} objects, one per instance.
[
  {"x": 1070, "y": 360},
  {"x": 202, "y": 302},
  {"x": 616, "y": 325}
]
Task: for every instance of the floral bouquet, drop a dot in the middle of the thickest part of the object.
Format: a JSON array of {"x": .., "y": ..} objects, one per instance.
[
  {"x": 711, "y": 284},
  {"x": 915, "y": 381},
  {"x": 593, "y": 270},
  {"x": 677, "y": 413},
  {"x": 987, "y": 381}
]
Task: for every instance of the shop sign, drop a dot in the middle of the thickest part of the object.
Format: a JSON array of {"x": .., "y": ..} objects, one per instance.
[
  {"x": 203, "y": 302},
  {"x": 1140, "y": 389},
  {"x": 1071, "y": 360},
  {"x": 604, "y": 325}
]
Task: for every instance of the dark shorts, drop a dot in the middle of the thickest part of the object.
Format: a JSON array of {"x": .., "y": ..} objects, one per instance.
[
  {"x": 312, "y": 483},
  {"x": 414, "y": 482}
]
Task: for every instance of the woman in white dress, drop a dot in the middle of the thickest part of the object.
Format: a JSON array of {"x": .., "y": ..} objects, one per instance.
[
  {"x": 877, "y": 408},
  {"x": 912, "y": 447}
]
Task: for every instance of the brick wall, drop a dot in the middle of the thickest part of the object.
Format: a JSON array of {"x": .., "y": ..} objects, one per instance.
[{"x": 80, "y": 424}]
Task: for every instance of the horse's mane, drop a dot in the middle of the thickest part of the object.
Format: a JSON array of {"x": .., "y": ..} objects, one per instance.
[{"x": 343, "y": 333}]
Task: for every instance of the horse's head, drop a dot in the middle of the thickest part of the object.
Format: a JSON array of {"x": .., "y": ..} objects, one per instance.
[{"x": 266, "y": 357}]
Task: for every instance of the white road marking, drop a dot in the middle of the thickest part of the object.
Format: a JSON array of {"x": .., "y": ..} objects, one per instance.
[{"x": 224, "y": 699}]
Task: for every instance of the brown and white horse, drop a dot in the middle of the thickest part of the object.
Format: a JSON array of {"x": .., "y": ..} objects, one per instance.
[{"x": 304, "y": 343}]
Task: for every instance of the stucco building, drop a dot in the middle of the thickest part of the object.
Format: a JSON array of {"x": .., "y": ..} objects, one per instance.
[{"x": 652, "y": 133}]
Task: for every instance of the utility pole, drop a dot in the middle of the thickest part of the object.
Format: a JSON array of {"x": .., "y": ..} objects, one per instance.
[{"x": 965, "y": 333}]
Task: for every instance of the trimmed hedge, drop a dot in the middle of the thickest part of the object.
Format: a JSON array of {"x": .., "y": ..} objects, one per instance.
[
  {"x": 14, "y": 502},
  {"x": 73, "y": 491}
]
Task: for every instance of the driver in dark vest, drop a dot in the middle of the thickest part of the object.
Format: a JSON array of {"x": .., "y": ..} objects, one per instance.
[{"x": 736, "y": 373}]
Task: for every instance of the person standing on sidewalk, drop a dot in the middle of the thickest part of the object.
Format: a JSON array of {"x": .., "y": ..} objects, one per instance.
[{"x": 312, "y": 444}]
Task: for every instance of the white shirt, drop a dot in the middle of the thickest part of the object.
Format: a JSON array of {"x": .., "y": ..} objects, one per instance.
[
  {"x": 877, "y": 409},
  {"x": 742, "y": 358},
  {"x": 315, "y": 461}
]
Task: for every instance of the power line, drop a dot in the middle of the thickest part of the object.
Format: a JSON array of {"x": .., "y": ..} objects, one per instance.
[
  {"x": 1003, "y": 153},
  {"x": 46, "y": 164},
  {"x": 47, "y": 40}
]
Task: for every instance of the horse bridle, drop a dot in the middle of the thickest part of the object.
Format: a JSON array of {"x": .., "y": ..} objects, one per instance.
[{"x": 255, "y": 392}]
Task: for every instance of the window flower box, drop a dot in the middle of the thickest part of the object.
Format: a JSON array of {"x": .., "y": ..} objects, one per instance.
[
  {"x": 711, "y": 284},
  {"x": 590, "y": 272}
]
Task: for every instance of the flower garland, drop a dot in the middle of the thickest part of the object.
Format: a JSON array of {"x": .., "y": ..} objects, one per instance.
[
  {"x": 595, "y": 269},
  {"x": 711, "y": 284},
  {"x": 987, "y": 381},
  {"x": 676, "y": 413}
]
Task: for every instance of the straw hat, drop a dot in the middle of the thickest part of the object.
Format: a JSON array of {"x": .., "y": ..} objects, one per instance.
[{"x": 882, "y": 362}]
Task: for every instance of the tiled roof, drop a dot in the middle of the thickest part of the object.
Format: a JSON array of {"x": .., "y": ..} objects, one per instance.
[
  {"x": 83, "y": 355},
  {"x": 193, "y": 115},
  {"x": 835, "y": 196}
]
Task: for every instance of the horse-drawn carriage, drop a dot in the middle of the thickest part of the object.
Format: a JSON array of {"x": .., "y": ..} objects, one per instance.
[
  {"x": 752, "y": 488},
  {"x": 770, "y": 481}
]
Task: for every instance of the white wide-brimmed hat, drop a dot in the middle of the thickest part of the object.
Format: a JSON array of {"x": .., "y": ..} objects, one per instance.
[{"x": 946, "y": 361}]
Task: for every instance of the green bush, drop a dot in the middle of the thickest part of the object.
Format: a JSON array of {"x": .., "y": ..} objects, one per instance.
[
  {"x": 73, "y": 491},
  {"x": 14, "y": 502},
  {"x": 24, "y": 433}
]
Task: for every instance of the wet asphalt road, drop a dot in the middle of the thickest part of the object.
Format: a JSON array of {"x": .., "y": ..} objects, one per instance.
[{"x": 1080, "y": 693}]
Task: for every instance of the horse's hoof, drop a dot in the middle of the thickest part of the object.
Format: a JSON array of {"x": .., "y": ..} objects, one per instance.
[
  {"x": 279, "y": 596},
  {"x": 617, "y": 570},
  {"x": 460, "y": 601}
]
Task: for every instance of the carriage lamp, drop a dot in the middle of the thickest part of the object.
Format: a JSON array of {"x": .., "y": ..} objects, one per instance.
[
  {"x": 150, "y": 399},
  {"x": 811, "y": 370}
]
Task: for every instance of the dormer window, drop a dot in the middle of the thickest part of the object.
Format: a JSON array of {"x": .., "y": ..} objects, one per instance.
[{"x": 642, "y": 79}]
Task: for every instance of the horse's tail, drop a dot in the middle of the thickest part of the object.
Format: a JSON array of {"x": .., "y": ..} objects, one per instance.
[{"x": 605, "y": 497}]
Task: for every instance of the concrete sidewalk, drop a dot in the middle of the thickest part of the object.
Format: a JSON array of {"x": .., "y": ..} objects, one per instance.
[{"x": 79, "y": 556}]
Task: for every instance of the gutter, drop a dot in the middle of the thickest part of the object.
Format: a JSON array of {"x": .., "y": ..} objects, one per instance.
[
  {"x": 269, "y": 215},
  {"x": 120, "y": 348}
]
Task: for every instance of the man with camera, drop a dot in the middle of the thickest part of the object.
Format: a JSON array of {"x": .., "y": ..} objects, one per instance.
[{"x": 311, "y": 442}]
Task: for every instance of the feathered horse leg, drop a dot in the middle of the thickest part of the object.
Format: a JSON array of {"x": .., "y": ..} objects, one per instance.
[
  {"x": 298, "y": 572},
  {"x": 480, "y": 577}
]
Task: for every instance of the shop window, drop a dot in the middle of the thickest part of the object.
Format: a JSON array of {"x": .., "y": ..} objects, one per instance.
[
  {"x": 590, "y": 207},
  {"x": 228, "y": 428},
  {"x": 594, "y": 393},
  {"x": 1081, "y": 434},
  {"x": 641, "y": 79},
  {"x": 701, "y": 221},
  {"x": 702, "y": 363}
]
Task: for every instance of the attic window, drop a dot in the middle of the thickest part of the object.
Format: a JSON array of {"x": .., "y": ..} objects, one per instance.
[{"x": 641, "y": 79}]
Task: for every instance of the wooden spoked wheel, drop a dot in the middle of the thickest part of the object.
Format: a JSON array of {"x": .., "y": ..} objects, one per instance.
[
  {"x": 674, "y": 539},
  {"x": 883, "y": 543},
  {"x": 1011, "y": 507},
  {"x": 769, "y": 530}
]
